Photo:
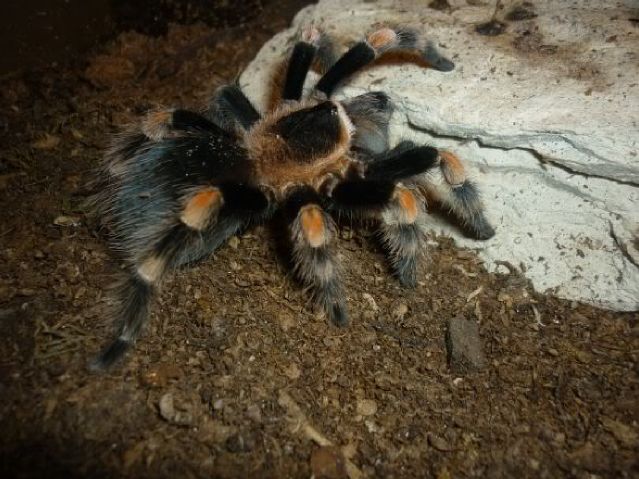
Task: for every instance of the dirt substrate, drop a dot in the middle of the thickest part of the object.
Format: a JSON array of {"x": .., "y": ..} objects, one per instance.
[{"x": 236, "y": 376}]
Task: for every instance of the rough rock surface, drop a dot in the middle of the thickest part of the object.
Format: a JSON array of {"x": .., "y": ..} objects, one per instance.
[
  {"x": 545, "y": 113},
  {"x": 465, "y": 353}
]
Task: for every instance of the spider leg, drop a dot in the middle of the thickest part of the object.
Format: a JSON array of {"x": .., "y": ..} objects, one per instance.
[
  {"x": 450, "y": 186},
  {"x": 376, "y": 44},
  {"x": 312, "y": 231},
  {"x": 370, "y": 113},
  {"x": 231, "y": 109},
  {"x": 243, "y": 206},
  {"x": 204, "y": 222},
  {"x": 401, "y": 211},
  {"x": 374, "y": 191},
  {"x": 159, "y": 125},
  {"x": 404, "y": 161},
  {"x": 402, "y": 232},
  {"x": 299, "y": 64},
  {"x": 402, "y": 219},
  {"x": 447, "y": 184}
]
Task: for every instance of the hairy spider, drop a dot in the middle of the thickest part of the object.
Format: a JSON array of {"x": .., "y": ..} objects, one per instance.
[{"x": 179, "y": 184}]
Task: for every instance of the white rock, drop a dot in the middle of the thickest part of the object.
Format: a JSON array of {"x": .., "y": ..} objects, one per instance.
[{"x": 545, "y": 114}]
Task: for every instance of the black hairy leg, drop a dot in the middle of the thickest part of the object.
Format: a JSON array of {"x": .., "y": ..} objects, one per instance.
[
  {"x": 200, "y": 209},
  {"x": 376, "y": 44},
  {"x": 232, "y": 110},
  {"x": 401, "y": 214},
  {"x": 400, "y": 209},
  {"x": 360, "y": 196},
  {"x": 375, "y": 190},
  {"x": 402, "y": 162},
  {"x": 299, "y": 64},
  {"x": 370, "y": 113},
  {"x": 360, "y": 55},
  {"x": 449, "y": 185},
  {"x": 204, "y": 222},
  {"x": 243, "y": 207},
  {"x": 314, "y": 260},
  {"x": 402, "y": 233}
]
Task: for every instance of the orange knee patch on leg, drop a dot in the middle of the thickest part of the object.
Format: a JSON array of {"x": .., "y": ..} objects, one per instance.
[
  {"x": 452, "y": 168},
  {"x": 313, "y": 225},
  {"x": 201, "y": 208},
  {"x": 156, "y": 124},
  {"x": 408, "y": 204},
  {"x": 381, "y": 38}
]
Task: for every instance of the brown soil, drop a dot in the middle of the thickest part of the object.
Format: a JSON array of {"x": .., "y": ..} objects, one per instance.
[{"x": 235, "y": 375}]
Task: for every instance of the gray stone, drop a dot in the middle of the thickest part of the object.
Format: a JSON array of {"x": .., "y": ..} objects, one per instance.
[
  {"x": 546, "y": 115},
  {"x": 465, "y": 353}
]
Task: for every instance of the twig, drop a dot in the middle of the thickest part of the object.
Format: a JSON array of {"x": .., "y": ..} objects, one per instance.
[
  {"x": 463, "y": 271},
  {"x": 474, "y": 293},
  {"x": 537, "y": 316}
]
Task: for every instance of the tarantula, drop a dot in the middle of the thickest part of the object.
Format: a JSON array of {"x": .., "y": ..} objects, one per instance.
[{"x": 179, "y": 184}]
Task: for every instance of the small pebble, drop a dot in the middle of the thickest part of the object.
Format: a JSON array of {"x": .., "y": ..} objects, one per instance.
[
  {"x": 438, "y": 443},
  {"x": 240, "y": 442},
  {"x": 292, "y": 371},
  {"x": 67, "y": 221},
  {"x": 400, "y": 310},
  {"x": 181, "y": 416},
  {"x": 366, "y": 407},
  {"x": 370, "y": 301},
  {"x": 254, "y": 413}
]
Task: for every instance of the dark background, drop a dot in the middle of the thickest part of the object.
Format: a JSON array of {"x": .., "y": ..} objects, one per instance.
[{"x": 40, "y": 33}]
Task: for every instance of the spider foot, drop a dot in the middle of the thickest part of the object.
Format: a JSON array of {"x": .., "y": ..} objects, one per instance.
[{"x": 337, "y": 315}]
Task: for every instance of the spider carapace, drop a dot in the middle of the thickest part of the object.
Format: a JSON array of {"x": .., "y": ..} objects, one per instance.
[{"x": 178, "y": 184}]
